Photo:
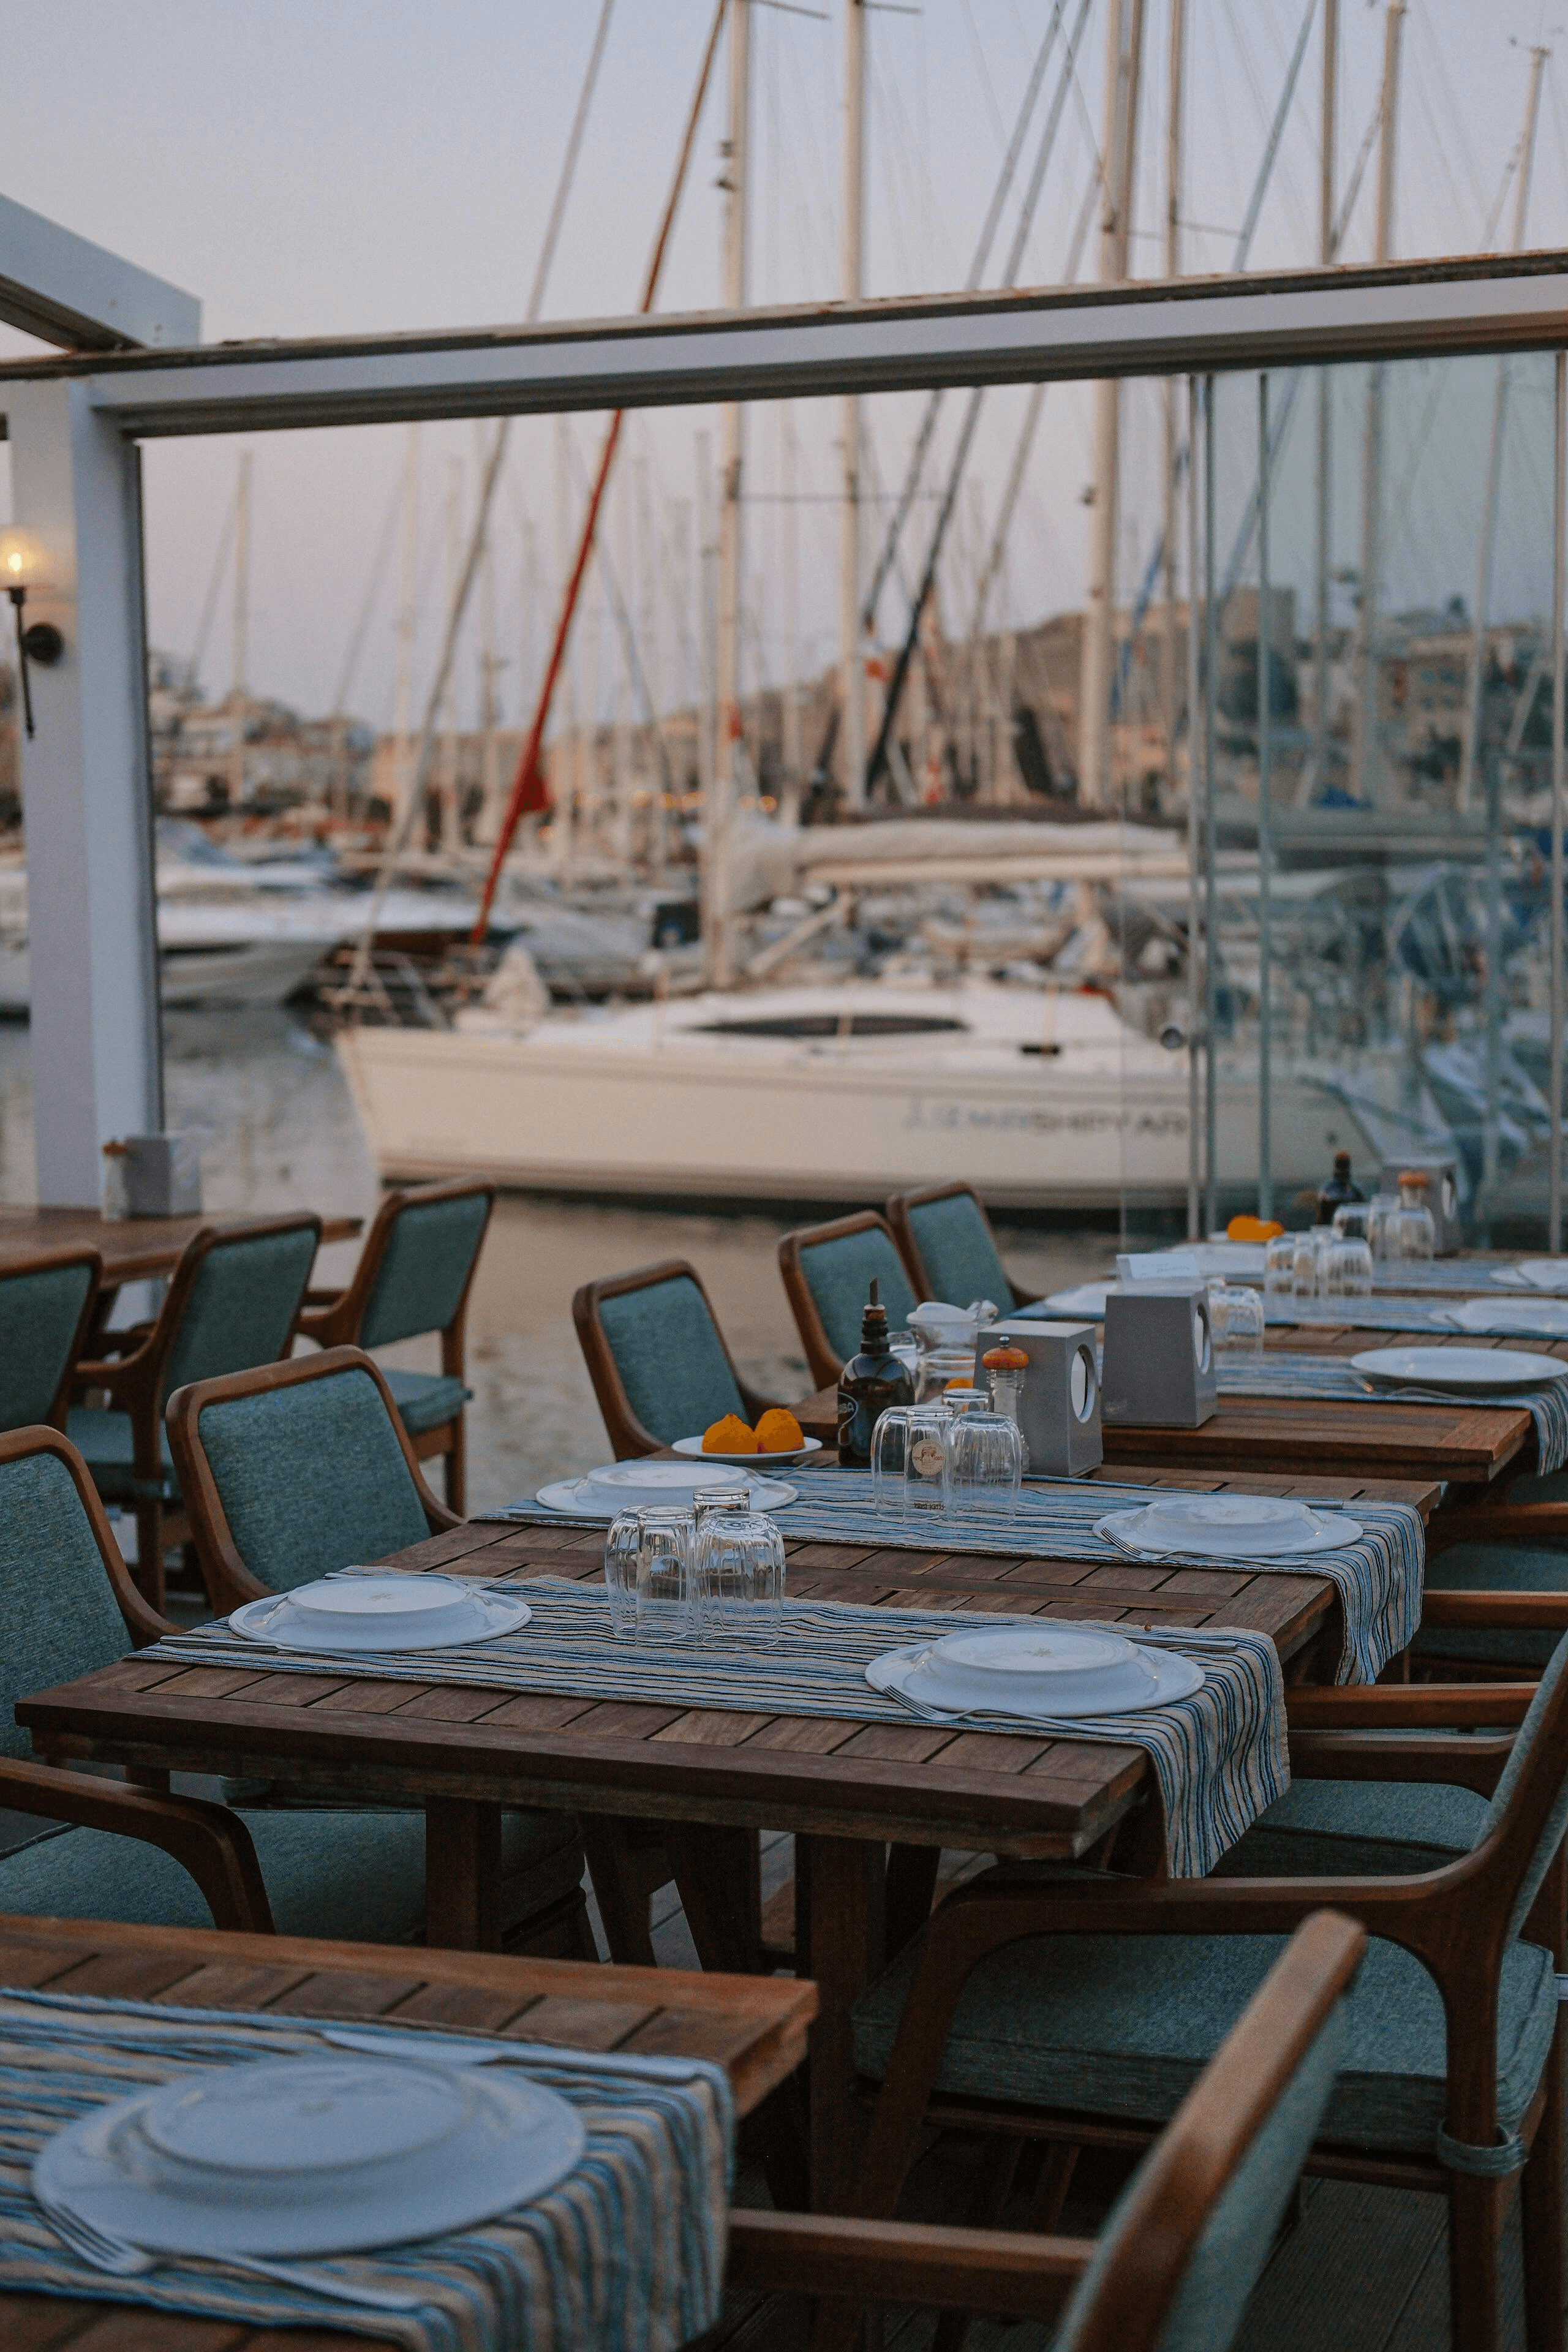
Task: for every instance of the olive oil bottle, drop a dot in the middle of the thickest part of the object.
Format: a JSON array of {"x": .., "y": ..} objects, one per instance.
[{"x": 867, "y": 1385}]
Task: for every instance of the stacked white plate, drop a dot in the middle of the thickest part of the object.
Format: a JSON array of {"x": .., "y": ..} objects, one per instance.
[
  {"x": 656, "y": 1485},
  {"x": 1040, "y": 1671},
  {"x": 395, "y": 1611},
  {"x": 1228, "y": 1527},
  {"x": 311, "y": 2155},
  {"x": 1532, "y": 1318},
  {"x": 1458, "y": 1371}
]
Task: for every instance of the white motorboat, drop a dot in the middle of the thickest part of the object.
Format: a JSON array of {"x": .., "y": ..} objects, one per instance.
[{"x": 832, "y": 1092}]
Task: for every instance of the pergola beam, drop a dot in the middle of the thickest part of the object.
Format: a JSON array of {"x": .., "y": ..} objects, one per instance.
[
  {"x": 67, "y": 290},
  {"x": 1307, "y": 317}
]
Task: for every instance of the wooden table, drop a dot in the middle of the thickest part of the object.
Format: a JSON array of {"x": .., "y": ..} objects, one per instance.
[
  {"x": 1468, "y": 1444},
  {"x": 132, "y": 1248},
  {"x": 846, "y": 1789},
  {"x": 755, "y": 2026}
]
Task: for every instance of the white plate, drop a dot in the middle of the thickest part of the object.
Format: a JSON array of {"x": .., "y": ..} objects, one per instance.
[
  {"x": 1274, "y": 1520},
  {"x": 907, "y": 1673},
  {"x": 692, "y": 1446},
  {"x": 1544, "y": 1273},
  {"x": 579, "y": 1498},
  {"x": 1457, "y": 1371},
  {"x": 1040, "y": 1666},
  {"x": 1331, "y": 1532},
  {"x": 1530, "y": 1318},
  {"x": 312, "y": 2155},
  {"x": 655, "y": 1486},
  {"x": 487, "y": 1616}
]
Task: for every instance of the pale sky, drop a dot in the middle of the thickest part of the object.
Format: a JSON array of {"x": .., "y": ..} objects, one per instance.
[{"x": 377, "y": 164}]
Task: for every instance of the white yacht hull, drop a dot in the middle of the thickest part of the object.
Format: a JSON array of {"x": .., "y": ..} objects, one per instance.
[{"x": 638, "y": 1105}]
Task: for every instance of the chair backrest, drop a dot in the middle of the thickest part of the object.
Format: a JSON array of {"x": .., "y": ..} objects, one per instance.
[
  {"x": 828, "y": 1272},
  {"x": 234, "y": 1299},
  {"x": 656, "y": 1355},
  {"x": 296, "y": 1468},
  {"x": 428, "y": 1244},
  {"x": 1542, "y": 1717},
  {"x": 46, "y": 1306},
  {"x": 1190, "y": 2235},
  {"x": 59, "y": 1617},
  {"x": 949, "y": 1233}
]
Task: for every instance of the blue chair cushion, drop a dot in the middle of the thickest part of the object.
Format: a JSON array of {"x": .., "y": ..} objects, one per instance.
[
  {"x": 671, "y": 1358},
  {"x": 38, "y": 1317},
  {"x": 424, "y": 1269},
  {"x": 241, "y": 1307},
  {"x": 58, "y": 1619},
  {"x": 958, "y": 1254},
  {"x": 1493, "y": 1568},
  {"x": 357, "y": 1877},
  {"x": 424, "y": 1400},
  {"x": 103, "y": 1438},
  {"x": 311, "y": 1478},
  {"x": 1122, "y": 2025},
  {"x": 1358, "y": 1829},
  {"x": 839, "y": 1273}
]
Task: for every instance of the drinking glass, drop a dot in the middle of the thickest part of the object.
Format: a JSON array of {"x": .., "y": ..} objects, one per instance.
[
  {"x": 622, "y": 1546},
  {"x": 666, "y": 1608},
  {"x": 1236, "y": 1318},
  {"x": 888, "y": 1442},
  {"x": 1307, "y": 1266},
  {"x": 927, "y": 1433},
  {"x": 741, "y": 1578},
  {"x": 1280, "y": 1263},
  {"x": 1411, "y": 1230},
  {"x": 1347, "y": 1270},
  {"x": 1380, "y": 1209},
  {"x": 938, "y": 1365},
  {"x": 984, "y": 1463},
  {"x": 1352, "y": 1221}
]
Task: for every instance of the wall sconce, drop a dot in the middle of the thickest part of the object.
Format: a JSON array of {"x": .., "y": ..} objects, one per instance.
[{"x": 24, "y": 566}]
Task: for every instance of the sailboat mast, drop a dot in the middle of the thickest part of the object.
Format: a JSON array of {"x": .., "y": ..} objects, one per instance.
[
  {"x": 1486, "y": 546},
  {"x": 1171, "y": 682},
  {"x": 851, "y": 669},
  {"x": 403, "y": 690},
  {"x": 790, "y": 568},
  {"x": 241, "y": 624},
  {"x": 1323, "y": 472},
  {"x": 1122, "y": 61},
  {"x": 1368, "y": 747},
  {"x": 732, "y": 574}
]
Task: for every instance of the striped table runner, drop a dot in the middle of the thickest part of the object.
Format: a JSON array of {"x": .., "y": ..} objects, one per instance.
[
  {"x": 626, "y": 2253},
  {"x": 1379, "y": 1580},
  {"x": 1219, "y": 1755},
  {"x": 1518, "y": 1314},
  {"x": 1334, "y": 1376}
]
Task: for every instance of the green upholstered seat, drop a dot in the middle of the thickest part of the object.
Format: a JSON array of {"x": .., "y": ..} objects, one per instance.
[
  {"x": 1493, "y": 1568},
  {"x": 311, "y": 1478},
  {"x": 671, "y": 1358},
  {"x": 424, "y": 1269},
  {"x": 1122, "y": 2026},
  {"x": 39, "y": 1314},
  {"x": 958, "y": 1253},
  {"x": 1358, "y": 1829},
  {"x": 107, "y": 1444},
  {"x": 355, "y": 1876},
  {"x": 425, "y": 1401},
  {"x": 1239, "y": 2237},
  {"x": 58, "y": 1618},
  {"x": 839, "y": 1273}
]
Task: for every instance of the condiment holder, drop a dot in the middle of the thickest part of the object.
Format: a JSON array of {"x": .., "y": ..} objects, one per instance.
[
  {"x": 1058, "y": 1399},
  {"x": 1441, "y": 1170},
  {"x": 1159, "y": 1370}
]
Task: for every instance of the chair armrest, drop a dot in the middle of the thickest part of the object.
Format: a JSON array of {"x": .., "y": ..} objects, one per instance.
[
  {"x": 1472, "y": 1763},
  {"x": 1540, "y": 1612},
  {"x": 323, "y": 1297},
  {"x": 118, "y": 1378},
  {"x": 1496, "y": 1523},
  {"x": 210, "y": 1843},
  {"x": 330, "y": 1318},
  {"x": 1022, "y": 1298},
  {"x": 904, "y": 2262},
  {"x": 1407, "y": 1706}
]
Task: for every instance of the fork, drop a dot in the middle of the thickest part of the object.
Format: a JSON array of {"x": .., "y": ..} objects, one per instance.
[{"x": 121, "y": 2259}]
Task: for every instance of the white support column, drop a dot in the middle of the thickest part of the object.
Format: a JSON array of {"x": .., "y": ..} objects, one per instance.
[{"x": 96, "y": 1037}]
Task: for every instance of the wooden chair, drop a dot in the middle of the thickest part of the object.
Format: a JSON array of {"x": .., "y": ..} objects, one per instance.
[
  {"x": 658, "y": 1359},
  {"x": 1075, "y": 2007},
  {"x": 1190, "y": 2235},
  {"x": 296, "y": 1469},
  {"x": 67, "y": 1606},
  {"x": 827, "y": 1273},
  {"x": 232, "y": 1302},
  {"x": 945, "y": 1234},
  {"x": 1488, "y": 1567},
  {"x": 414, "y": 1277},
  {"x": 47, "y": 1305}
]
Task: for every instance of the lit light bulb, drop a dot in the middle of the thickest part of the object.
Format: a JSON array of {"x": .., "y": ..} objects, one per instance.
[{"x": 23, "y": 562}]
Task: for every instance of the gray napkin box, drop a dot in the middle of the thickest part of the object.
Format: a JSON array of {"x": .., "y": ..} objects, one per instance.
[
  {"x": 162, "y": 1175},
  {"x": 1058, "y": 1405},
  {"x": 1441, "y": 1170},
  {"x": 1159, "y": 1358}
]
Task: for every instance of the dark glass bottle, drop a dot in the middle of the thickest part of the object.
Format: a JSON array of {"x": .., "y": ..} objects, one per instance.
[
  {"x": 867, "y": 1385},
  {"x": 1338, "y": 1190}
]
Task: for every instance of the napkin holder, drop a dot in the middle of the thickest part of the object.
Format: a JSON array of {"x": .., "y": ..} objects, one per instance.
[
  {"x": 1158, "y": 1355},
  {"x": 161, "y": 1174},
  {"x": 1441, "y": 1170},
  {"x": 1059, "y": 1403}
]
